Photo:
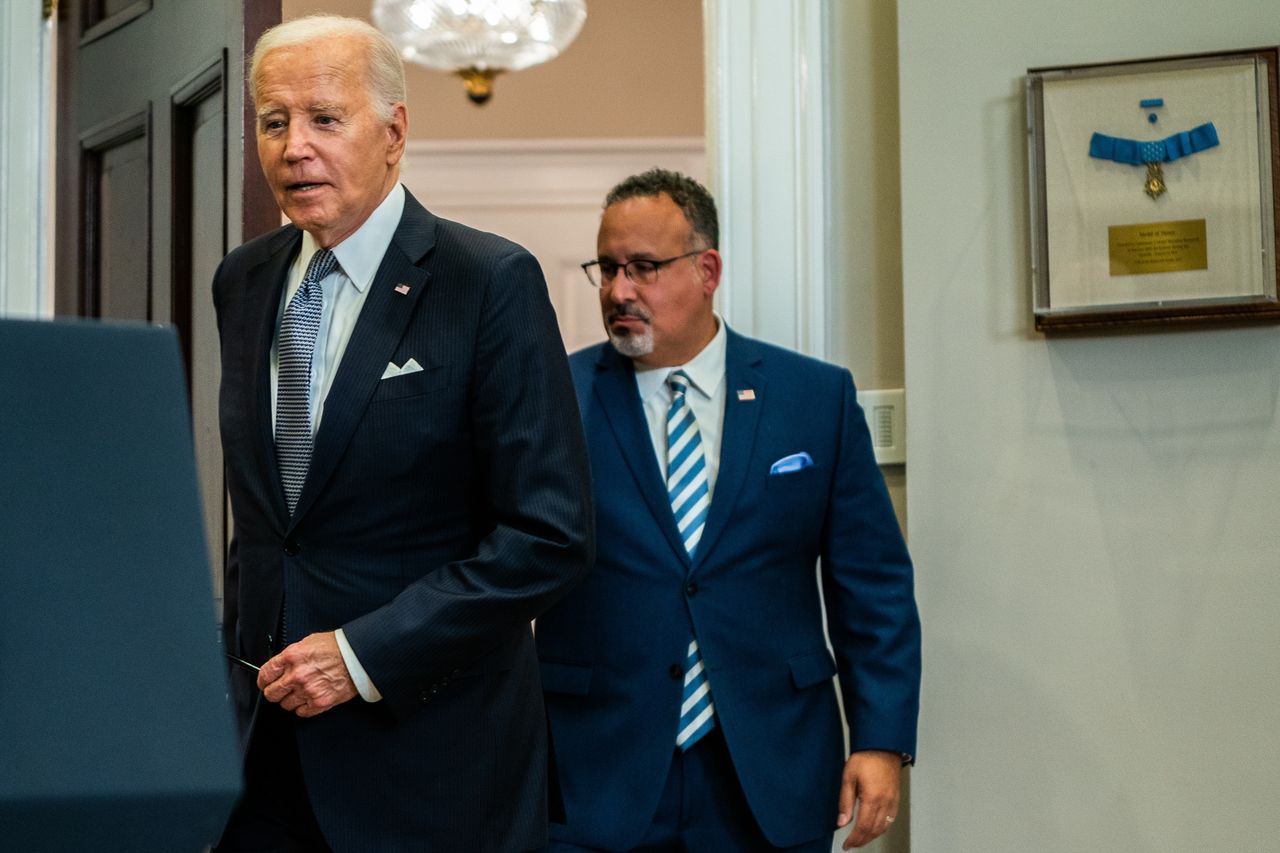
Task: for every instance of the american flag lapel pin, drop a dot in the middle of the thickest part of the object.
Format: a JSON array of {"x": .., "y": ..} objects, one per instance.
[
  {"x": 402, "y": 289},
  {"x": 746, "y": 394}
]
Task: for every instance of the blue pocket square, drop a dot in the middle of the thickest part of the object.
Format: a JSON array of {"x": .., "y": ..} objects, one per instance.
[{"x": 791, "y": 464}]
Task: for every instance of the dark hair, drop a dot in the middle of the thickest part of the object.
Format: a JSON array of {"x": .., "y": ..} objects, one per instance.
[{"x": 697, "y": 205}]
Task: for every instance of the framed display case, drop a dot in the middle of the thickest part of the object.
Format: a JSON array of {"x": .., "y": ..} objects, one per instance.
[{"x": 1152, "y": 191}]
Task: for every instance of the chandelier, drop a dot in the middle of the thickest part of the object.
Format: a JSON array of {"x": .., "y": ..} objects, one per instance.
[{"x": 479, "y": 39}]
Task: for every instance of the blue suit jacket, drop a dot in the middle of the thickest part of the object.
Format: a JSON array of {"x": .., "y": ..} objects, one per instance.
[
  {"x": 442, "y": 511},
  {"x": 611, "y": 651}
]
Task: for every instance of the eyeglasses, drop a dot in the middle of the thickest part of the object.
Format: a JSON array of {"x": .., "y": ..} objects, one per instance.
[{"x": 602, "y": 271}]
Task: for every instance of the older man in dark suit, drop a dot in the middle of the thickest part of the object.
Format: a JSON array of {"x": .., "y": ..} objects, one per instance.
[{"x": 407, "y": 493}]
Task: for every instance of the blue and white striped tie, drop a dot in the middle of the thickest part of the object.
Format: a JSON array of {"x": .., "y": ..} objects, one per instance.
[
  {"x": 690, "y": 498},
  {"x": 297, "y": 344}
]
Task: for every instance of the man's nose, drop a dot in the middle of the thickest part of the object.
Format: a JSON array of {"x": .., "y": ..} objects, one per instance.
[
  {"x": 620, "y": 288},
  {"x": 297, "y": 142}
]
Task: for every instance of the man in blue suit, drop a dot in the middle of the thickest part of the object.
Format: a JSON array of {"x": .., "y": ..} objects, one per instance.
[
  {"x": 406, "y": 491},
  {"x": 688, "y": 679}
]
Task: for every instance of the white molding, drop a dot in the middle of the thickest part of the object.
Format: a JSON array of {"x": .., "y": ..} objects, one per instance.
[
  {"x": 538, "y": 172},
  {"x": 25, "y": 110},
  {"x": 546, "y": 194},
  {"x": 556, "y": 145},
  {"x": 768, "y": 145}
]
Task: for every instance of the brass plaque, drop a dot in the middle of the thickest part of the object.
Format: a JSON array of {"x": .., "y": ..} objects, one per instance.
[{"x": 1158, "y": 247}]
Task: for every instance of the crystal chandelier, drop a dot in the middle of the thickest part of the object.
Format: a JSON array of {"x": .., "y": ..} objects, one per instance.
[{"x": 479, "y": 39}]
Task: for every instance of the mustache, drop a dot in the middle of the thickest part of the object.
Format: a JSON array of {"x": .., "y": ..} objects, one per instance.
[{"x": 627, "y": 311}]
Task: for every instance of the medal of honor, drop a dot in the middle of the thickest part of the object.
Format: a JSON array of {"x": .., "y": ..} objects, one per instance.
[
  {"x": 1154, "y": 153},
  {"x": 1155, "y": 180}
]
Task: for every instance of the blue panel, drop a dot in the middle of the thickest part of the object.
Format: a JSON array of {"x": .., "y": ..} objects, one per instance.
[{"x": 117, "y": 727}]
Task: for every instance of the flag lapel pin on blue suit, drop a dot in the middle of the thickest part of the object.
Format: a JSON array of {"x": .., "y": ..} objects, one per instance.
[
  {"x": 746, "y": 394},
  {"x": 402, "y": 289}
]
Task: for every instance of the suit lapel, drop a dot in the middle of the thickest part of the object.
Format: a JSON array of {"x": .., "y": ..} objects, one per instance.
[
  {"x": 381, "y": 325},
  {"x": 615, "y": 388},
  {"x": 265, "y": 286},
  {"x": 741, "y": 417}
]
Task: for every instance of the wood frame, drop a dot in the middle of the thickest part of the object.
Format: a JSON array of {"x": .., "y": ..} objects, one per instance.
[{"x": 97, "y": 22}]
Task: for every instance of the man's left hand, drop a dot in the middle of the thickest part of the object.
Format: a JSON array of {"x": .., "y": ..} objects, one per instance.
[
  {"x": 309, "y": 677},
  {"x": 873, "y": 779}
]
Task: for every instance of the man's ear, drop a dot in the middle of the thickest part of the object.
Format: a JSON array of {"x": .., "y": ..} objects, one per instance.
[
  {"x": 397, "y": 133},
  {"x": 710, "y": 265}
]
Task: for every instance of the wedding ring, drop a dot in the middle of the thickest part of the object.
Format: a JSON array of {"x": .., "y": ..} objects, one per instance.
[{"x": 888, "y": 819}]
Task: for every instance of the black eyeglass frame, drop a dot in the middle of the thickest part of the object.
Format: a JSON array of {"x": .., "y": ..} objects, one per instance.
[{"x": 587, "y": 268}]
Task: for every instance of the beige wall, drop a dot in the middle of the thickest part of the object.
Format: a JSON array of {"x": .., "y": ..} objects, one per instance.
[
  {"x": 867, "y": 296},
  {"x": 634, "y": 70},
  {"x": 866, "y": 273}
]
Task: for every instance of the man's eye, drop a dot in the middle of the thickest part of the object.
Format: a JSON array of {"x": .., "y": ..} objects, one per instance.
[
  {"x": 326, "y": 120},
  {"x": 273, "y": 124},
  {"x": 643, "y": 267},
  {"x": 608, "y": 269}
]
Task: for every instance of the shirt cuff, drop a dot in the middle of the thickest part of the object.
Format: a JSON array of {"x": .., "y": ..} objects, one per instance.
[{"x": 359, "y": 677}]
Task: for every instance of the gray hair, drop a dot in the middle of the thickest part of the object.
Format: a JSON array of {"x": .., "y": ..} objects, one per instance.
[
  {"x": 385, "y": 74},
  {"x": 697, "y": 205}
]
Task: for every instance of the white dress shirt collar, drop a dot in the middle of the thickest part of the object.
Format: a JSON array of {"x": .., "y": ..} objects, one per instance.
[
  {"x": 705, "y": 370},
  {"x": 361, "y": 253}
]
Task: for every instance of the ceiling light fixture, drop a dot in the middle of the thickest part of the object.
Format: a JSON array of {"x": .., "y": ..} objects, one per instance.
[{"x": 480, "y": 39}]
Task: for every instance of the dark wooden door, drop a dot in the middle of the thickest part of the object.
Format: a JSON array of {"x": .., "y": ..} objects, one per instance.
[{"x": 155, "y": 183}]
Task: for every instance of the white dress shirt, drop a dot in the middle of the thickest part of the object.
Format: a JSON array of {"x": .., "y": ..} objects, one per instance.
[
  {"x": 706, "y": 396},
  {"x": 345, "y": 290}
]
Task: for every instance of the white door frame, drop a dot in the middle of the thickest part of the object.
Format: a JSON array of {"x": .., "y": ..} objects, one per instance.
[
  {"x": 769, "y": 152},
  {"x": 26, "y": 183}
]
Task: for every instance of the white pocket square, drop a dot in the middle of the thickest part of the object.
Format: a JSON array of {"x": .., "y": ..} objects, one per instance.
[{"x": 410, "y": 366}]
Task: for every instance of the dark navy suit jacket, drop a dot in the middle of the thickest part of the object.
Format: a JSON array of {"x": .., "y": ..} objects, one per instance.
[
  {"x": 443, "y": 510},
  {"x": 611, "y": 651}
]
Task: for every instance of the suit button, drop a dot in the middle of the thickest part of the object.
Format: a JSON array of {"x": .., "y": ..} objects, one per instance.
[
  {"x": 675, "y": 671},
  {"x": 691, "y": 589},
  {"x": 291, "y": 548}
]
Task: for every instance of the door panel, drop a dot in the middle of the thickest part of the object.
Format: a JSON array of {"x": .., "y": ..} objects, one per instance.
[
  {"x": 148, "y": 204},
  {"x": 118, "y": 176}
]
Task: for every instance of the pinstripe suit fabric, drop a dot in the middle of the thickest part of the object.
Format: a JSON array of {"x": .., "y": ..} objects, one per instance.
[{"x": 442, "y": 511}]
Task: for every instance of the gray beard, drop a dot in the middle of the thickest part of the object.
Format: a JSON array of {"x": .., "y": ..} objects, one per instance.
[{"x": 633, "y": 346}]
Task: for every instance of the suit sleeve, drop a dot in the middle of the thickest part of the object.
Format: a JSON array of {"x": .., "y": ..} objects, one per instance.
[
  {"x": 868, "y": 587},
  {"x": 231, "y": 570},
  {"x": 526, "y": 430},
  {"x": 243, "y": 689}
]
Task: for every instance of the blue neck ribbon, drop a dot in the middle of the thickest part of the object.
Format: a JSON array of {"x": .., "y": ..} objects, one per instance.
[{"x": 1165, "y": 150}]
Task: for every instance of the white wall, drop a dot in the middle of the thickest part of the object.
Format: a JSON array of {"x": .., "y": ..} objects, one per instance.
[{"x": 1094, "y": 520}]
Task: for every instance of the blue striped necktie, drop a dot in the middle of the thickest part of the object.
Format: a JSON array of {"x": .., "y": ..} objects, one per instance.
[
  {"x": 297, "y": 344},
  {"x": 690, "y": 498}
]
